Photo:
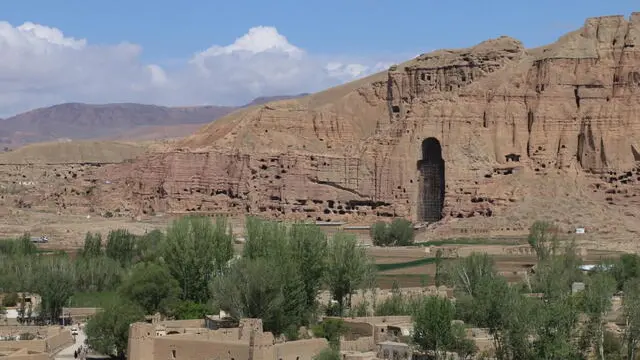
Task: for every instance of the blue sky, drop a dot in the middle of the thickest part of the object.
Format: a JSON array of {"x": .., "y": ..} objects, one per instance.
[{"x": 165, "y": 35}]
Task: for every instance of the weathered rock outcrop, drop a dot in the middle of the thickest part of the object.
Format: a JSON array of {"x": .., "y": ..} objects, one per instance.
[{"x": 496, "y": 134}]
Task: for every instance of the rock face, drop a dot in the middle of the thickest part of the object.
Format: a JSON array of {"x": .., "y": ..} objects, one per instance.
[{"x": 490, "y": 138}]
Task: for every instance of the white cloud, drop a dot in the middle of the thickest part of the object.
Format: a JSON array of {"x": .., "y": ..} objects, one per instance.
[
  {"x": 259, "y": 39},
  {"x": 40, "y": 66}
]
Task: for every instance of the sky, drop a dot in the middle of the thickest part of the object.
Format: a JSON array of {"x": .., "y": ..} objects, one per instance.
[{"x": 212, "y": 52}]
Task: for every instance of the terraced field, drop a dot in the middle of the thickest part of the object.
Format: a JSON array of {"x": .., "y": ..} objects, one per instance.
[{"x": 413, "y": 266}]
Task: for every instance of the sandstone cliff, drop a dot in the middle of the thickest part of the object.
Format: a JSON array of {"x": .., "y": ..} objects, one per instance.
[{"x": 489, "y": 138}]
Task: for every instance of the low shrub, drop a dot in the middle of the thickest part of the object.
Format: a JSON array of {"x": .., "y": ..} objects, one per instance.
[{"x": 399, "y": 233}]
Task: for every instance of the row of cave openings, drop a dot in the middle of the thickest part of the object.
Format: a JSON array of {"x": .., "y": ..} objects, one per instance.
[{"x": 431, "y": 167}]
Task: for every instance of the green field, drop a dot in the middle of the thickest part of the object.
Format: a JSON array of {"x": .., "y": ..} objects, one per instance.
[
  {"x": 405, "y": 265},
  {"x": 475, "y": 241}
]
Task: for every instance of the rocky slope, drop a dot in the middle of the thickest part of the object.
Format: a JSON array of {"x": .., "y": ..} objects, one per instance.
[{"x": 489, "y": 138}]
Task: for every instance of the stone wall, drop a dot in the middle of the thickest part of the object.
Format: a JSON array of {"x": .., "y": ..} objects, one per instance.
[
  {"x": 23, "y": 354},
  {"x": 42, "y": 331},
  {"x": 299, "y": 350},
  {"x": 362, "y": 344},
  {"x": 196, "y": 349},
  {"x": 58, "y": 341}
]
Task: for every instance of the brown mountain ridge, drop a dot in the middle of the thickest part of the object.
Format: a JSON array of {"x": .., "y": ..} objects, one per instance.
[{"x": 126, "y": 121}]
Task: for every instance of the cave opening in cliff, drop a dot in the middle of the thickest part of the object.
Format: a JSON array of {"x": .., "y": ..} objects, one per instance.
[{"x": 432, "y": 181}]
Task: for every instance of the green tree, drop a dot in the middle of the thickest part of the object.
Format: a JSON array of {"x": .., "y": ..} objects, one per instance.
[
  {"x": 627, "y": 267},
  {"x": 152, "y": 287},
  {"x": 401, "y": 232},
  {"x": 55, "y": 283},
  {"x": 121, "y": 246},
  {"x": 631, "y": 314},
  {"x": 265, "y": 239},
  {"x": 108, "y": 331},
  {"x": 92, "y": 245},
  {"x": 97, "y": 273},
  {"x": 434, "y": 329},
  {"x": 393, "y": 305},
  {"x": 10, "y": 300},
  {"x": 197, "y": 250},
  {"x": 349, "y": 268},
  {"x": 380, "y": 234},
  {"x": 332, "y": 330},
  {"x": 187, "y": 310},
  {"x": 309, "y": 246},
  {"x": 507, "y": 314},
  {"x": 543, "y": 239},
  {"x": 439, "y": 276},
  {"x": 596, "y": 303},
  {"x": 149, "y": 246},
  {"x": 555, "y": 275},
  {"x": 557, "y": 329},
  {"x": 21, "y": 246},
  {"x": 253, "y": 289},
  {"x": 466, "y": 274},
  {"x": 297, "y": 254}
]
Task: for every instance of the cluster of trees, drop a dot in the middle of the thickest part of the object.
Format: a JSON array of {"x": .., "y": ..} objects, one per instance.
[
  {"x": 281, "y": 271},
  {"x": 399, "y": 232},
  {"x": 558, "y": 323},
  {"x": 191, "y": 270}
]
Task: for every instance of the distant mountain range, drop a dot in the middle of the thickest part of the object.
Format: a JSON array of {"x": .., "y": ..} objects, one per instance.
[{"x": 77, "y": 121}]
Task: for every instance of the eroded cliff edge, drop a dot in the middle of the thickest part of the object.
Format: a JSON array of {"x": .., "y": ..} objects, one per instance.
[{"x": 520, "y": 133}]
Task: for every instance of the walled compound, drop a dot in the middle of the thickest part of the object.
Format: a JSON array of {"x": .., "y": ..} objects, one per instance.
[
  {"x": 203, "y": 340},
  {"x": 41, "y": 344},
  {"x": 388, "y": 338}
]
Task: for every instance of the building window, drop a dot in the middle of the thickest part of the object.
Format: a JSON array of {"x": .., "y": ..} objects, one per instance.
[{"x": 173, "y": 354}]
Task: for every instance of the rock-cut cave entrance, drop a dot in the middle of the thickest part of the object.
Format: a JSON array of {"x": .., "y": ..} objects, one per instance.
[{"x": 432, "y": 184}]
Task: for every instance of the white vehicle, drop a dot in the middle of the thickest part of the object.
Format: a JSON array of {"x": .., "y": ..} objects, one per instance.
[
  {"x": 40, "y": 240},
  {"x": 74, "y": 331}
]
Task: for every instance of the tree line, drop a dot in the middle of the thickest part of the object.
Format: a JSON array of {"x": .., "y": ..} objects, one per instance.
[
  {"x": 541, "y": 317},
  {"x": 191, "y": 270}
]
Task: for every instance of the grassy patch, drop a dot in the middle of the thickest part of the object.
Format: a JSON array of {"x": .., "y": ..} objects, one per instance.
[
  {"x": 92, "y": 299},
  {"x": 475, "y": 241},
  {"x": 394, "y": 276},
  {"x": 404, "y": 265},
  {"x": 386, "y": 281}
]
